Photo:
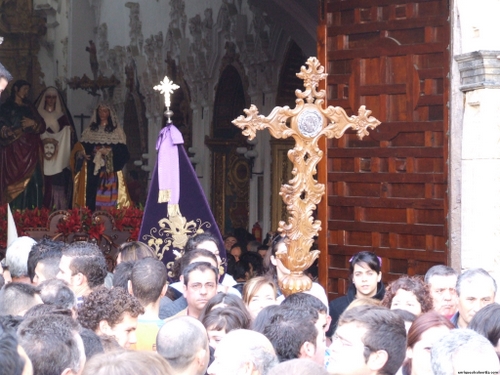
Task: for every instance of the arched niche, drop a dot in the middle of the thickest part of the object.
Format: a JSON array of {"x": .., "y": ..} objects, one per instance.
[{"x": 230, "y": 170}]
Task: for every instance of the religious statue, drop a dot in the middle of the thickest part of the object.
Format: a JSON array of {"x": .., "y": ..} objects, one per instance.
[
  {"x": 58, "y": 140},
  {"x": 94, "y": 64},
  {"x": 97, "y": 162},
  {"x": 21, "y": 169}
]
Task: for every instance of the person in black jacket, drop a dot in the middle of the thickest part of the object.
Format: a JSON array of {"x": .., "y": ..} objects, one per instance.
[{"x": 366, "y": 278}]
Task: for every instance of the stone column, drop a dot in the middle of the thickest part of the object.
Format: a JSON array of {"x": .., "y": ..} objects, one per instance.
[{"x": 477, "y": 112}]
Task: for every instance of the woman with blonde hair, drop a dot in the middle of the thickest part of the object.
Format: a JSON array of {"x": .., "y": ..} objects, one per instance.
[
  {"x": 364, "y": 301},
  {"x": 133, "y": 251},
  {"x": 258, "y": 293}
]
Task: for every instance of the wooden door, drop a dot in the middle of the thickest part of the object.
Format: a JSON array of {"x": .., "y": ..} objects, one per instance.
[{"x": 388, "y": 192}]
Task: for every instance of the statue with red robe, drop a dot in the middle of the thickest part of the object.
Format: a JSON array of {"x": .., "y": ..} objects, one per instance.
[{"x": 21, "y": 150}]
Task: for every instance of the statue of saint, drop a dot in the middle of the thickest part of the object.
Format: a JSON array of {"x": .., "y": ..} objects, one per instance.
[
  {"x": 21, "y": 168},
  {"x": 58, "y": 140},
  {"x": 97, "y": 162}
]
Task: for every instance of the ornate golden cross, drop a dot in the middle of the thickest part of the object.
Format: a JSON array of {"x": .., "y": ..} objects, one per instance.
[{"x": 306, "y": 123}]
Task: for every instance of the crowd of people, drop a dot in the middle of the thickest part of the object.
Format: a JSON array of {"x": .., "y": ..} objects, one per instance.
[{"x": 63, "y": 312}]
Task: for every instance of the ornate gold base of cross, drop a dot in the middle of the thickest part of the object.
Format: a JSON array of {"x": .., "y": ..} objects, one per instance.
[{"x": 306, "y": 123}]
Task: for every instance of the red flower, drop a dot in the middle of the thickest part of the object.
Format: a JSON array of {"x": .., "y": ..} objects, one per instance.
[
  {"x": 96, "y": 231},
  {"x": 134, "y": 234},
  {"x": 77, "y": 220}
]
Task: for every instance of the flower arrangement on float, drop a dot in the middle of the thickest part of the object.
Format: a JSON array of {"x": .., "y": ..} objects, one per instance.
[{"x": 71, "y": 221}]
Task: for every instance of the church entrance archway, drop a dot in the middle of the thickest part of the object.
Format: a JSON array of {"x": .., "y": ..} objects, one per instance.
[{"x": 230, "y": 170}]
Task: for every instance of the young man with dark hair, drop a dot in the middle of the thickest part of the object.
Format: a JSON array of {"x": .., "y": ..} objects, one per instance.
[
  {"x": 148, "y": 283},
  {"x": 43, "y": 260},
  {"x": 366, "y": 276},
  {"x": 293, "y": 333},
  {"x": 83, "y": 267},
  {"x": 111, "y": 312},
  {"x": 442, "y": 281},
  {"x": 305, "y": 300},
  {"x": 369, "y": 340}
]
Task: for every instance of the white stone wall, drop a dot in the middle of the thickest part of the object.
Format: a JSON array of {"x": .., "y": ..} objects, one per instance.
[{"x": 475, "y": 136}]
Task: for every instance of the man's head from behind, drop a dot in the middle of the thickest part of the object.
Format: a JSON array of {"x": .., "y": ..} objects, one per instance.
[
  {"x": 306, "y": 300},
  {"x": 183, "y": 342},
  {"x": 243, "y": 352},
  {"x": 200, "y": 284},
  {"x": 43, "y": 260},
  {"x": 442, "y": 281},
  {"x": 368, "y": 340},
  {"x": 298, "y": 366},
  {"x": 293, "y": 333},
  {"x": 148, "y": 281},
  {"x": 204, "y": 241},
  {"x": 83, "y": 267},
  {"x": 53, "y": 344},
  {"x": 122, "y": 274},
  {"x": 463, "y": 351},
  {"x": 127, "y": 362},
  {"x": 17, "y": 298},
  {"x": 56, "y": 292},
  {"x": 11, "y": 360},
  {"x": 111, "y": 312},
  {"x": 16, "y": 258},
  {"x": 476, "y": 289}
]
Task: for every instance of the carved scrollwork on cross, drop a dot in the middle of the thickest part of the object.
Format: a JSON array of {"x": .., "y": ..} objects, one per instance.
[{"x": 306, "y": 124}]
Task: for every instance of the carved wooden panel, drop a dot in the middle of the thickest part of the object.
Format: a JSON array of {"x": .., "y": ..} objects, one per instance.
[{"x": 388, "y": 192}]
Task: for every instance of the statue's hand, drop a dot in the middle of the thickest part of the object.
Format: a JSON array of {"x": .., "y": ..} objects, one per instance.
[
  {"x": 82, "y": 155},
  {"x": 5, "y": 132},
  {"x": 28, "y": 123}
]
